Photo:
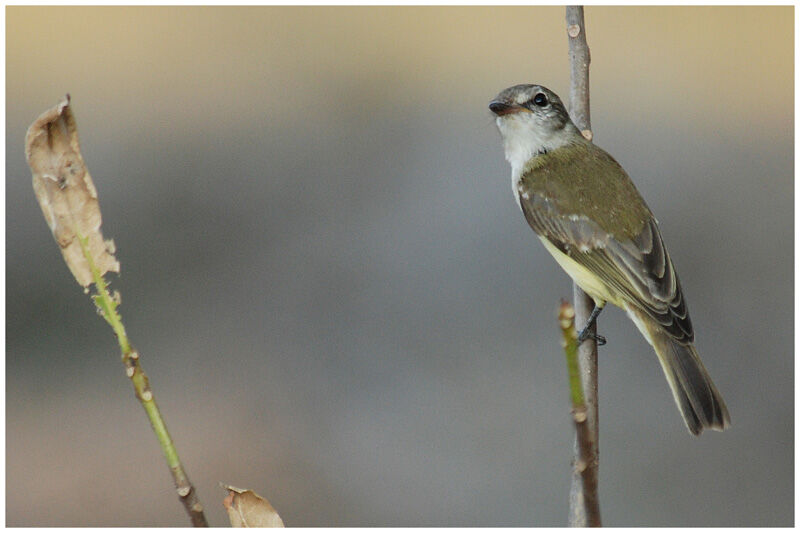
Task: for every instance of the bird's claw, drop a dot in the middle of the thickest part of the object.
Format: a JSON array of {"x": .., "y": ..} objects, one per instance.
[{"x": 585, "y": 334}]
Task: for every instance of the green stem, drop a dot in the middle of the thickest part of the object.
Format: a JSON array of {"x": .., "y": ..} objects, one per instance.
[
  {"x": 141, "y": 384},
  {"x": 566, "y": 318}
]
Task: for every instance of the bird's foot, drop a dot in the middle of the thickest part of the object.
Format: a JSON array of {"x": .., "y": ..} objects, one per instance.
[{"x": 585, "y": 334}]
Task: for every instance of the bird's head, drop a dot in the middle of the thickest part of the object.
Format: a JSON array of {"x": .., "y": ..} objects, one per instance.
[{"x": 532, "y": 121}]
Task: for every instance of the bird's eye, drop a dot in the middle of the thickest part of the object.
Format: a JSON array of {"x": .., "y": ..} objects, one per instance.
[{"x": 540, "y": 100}]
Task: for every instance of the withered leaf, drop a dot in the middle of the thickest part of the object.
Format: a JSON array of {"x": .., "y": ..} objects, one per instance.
[
  {"x": 66, "y": 193},
  {"x": 248, "y": 509}
]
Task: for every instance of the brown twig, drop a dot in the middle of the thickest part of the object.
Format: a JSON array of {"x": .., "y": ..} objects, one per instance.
[{"x": 584, "y": 508}]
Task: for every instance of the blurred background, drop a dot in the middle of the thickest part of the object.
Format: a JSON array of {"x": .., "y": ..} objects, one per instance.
[{"x": 334, "y": 293}]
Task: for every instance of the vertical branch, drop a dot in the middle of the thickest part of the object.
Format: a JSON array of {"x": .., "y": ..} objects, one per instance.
[
  {"x": 584, "y": 509},
  {"x": 589, "y": 509},
  {"x": 579, "y": 59}
]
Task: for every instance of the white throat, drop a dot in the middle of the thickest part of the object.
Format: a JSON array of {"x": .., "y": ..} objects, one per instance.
[{"x": 523, "y": 141}]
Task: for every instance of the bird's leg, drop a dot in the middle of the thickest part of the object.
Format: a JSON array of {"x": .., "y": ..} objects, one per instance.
[{"x": 585, "y": 333}]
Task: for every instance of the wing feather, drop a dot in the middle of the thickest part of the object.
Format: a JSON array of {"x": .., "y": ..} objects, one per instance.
[{"x": 638, "y": 269}]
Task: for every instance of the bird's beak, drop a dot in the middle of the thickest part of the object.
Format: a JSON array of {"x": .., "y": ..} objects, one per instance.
[{"x": 501, "y": 108}]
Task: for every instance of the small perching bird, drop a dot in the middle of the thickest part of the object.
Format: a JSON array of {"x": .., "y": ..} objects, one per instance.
[{"x": 590, "y": 217}]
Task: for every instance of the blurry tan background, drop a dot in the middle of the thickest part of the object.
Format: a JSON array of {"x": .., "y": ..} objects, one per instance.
[{"x": 336, "y": 297}]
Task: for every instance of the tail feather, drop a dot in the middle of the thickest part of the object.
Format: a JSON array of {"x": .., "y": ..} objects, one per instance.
[{"x": 698, "y": 400}]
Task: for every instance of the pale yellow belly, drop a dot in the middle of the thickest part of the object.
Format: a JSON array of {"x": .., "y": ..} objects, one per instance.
[{"x": 590, "y": 283}]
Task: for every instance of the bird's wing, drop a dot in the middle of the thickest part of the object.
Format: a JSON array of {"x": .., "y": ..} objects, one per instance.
[{"x": 637, "y": 269}]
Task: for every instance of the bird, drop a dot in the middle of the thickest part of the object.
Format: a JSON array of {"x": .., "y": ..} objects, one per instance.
[{"x": 589, "y": 215}]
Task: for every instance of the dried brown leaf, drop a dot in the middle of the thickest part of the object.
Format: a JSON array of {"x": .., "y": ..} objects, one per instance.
[
  {"x": 248, "y": 509},
  {"x": 66, "y": 193}
]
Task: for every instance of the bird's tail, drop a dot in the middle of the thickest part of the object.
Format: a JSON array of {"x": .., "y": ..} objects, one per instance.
[{"x": 698, "y": 400}]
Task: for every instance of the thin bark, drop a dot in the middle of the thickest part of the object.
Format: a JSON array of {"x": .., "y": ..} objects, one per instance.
[{"x": 584, "y": 506}]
